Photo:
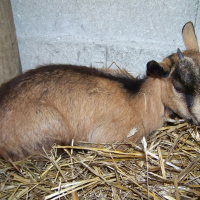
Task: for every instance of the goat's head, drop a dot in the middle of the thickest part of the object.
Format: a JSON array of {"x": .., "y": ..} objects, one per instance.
[{"x": 183, "y": 78}]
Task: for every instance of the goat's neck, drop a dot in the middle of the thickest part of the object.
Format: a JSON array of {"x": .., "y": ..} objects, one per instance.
[{"x": 149, "y": 106}]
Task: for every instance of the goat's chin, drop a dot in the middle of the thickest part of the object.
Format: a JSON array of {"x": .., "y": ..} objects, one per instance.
[
  {"x": 193, "y": 120},
  {"x": 197, "y": 123}
]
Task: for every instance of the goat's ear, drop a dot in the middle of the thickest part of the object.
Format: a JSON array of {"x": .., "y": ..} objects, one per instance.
[
  {"x": 155, "y": 70},
  {"x": 189, "y": 37}
]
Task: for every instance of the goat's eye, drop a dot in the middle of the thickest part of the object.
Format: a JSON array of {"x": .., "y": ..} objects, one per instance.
[{"x": 178, "y": 89}]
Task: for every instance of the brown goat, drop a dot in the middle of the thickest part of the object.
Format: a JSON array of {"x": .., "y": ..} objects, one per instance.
[{"x": 55, "y": 104}]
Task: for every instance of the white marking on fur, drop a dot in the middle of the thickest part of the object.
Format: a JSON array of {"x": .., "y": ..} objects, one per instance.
[
  {"x": 132, "y": 132},
  {"x": 145, "y": 102}
]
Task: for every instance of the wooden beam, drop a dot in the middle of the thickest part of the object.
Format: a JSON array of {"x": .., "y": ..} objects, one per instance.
[{"x": 10, "y": 65}]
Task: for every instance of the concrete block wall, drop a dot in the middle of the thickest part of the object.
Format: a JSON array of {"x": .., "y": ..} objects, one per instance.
[{"x": 99, "y": 32}]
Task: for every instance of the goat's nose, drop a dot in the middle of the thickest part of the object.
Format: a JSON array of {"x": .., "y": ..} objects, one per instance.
[{"x": 190, "y": 121}]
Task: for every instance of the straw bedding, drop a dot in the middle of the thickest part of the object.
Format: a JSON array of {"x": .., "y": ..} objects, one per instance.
[{"x": 166, "y": 166}]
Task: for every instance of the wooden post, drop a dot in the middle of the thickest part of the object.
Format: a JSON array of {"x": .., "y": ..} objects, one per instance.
[{"x": 10, "y": 65}]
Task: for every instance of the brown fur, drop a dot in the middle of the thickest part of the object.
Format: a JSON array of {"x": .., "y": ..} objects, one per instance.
[{"x": 55, "y": 104}]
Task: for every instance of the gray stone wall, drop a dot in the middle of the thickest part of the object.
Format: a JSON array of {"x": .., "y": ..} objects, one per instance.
[{"x": 100, "y": 32}]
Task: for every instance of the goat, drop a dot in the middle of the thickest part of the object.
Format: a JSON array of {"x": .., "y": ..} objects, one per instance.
[{"x": 58, "y": 103}]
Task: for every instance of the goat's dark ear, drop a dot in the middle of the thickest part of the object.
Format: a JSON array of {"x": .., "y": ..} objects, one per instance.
[{"x": 155, "y": 70}]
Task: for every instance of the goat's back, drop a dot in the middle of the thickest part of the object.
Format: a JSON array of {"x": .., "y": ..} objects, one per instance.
[{"x": 56, "y": 104}]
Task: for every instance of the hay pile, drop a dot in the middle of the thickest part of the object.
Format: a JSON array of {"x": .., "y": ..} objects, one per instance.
[{"x": 169, "y": 168}]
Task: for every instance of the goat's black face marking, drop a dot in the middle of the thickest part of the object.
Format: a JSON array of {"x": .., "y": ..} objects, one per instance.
[
  {"x": 189, "y": 100},
  {"x": 185, "y": 75},
  {"x": 185, "y": 81}
]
